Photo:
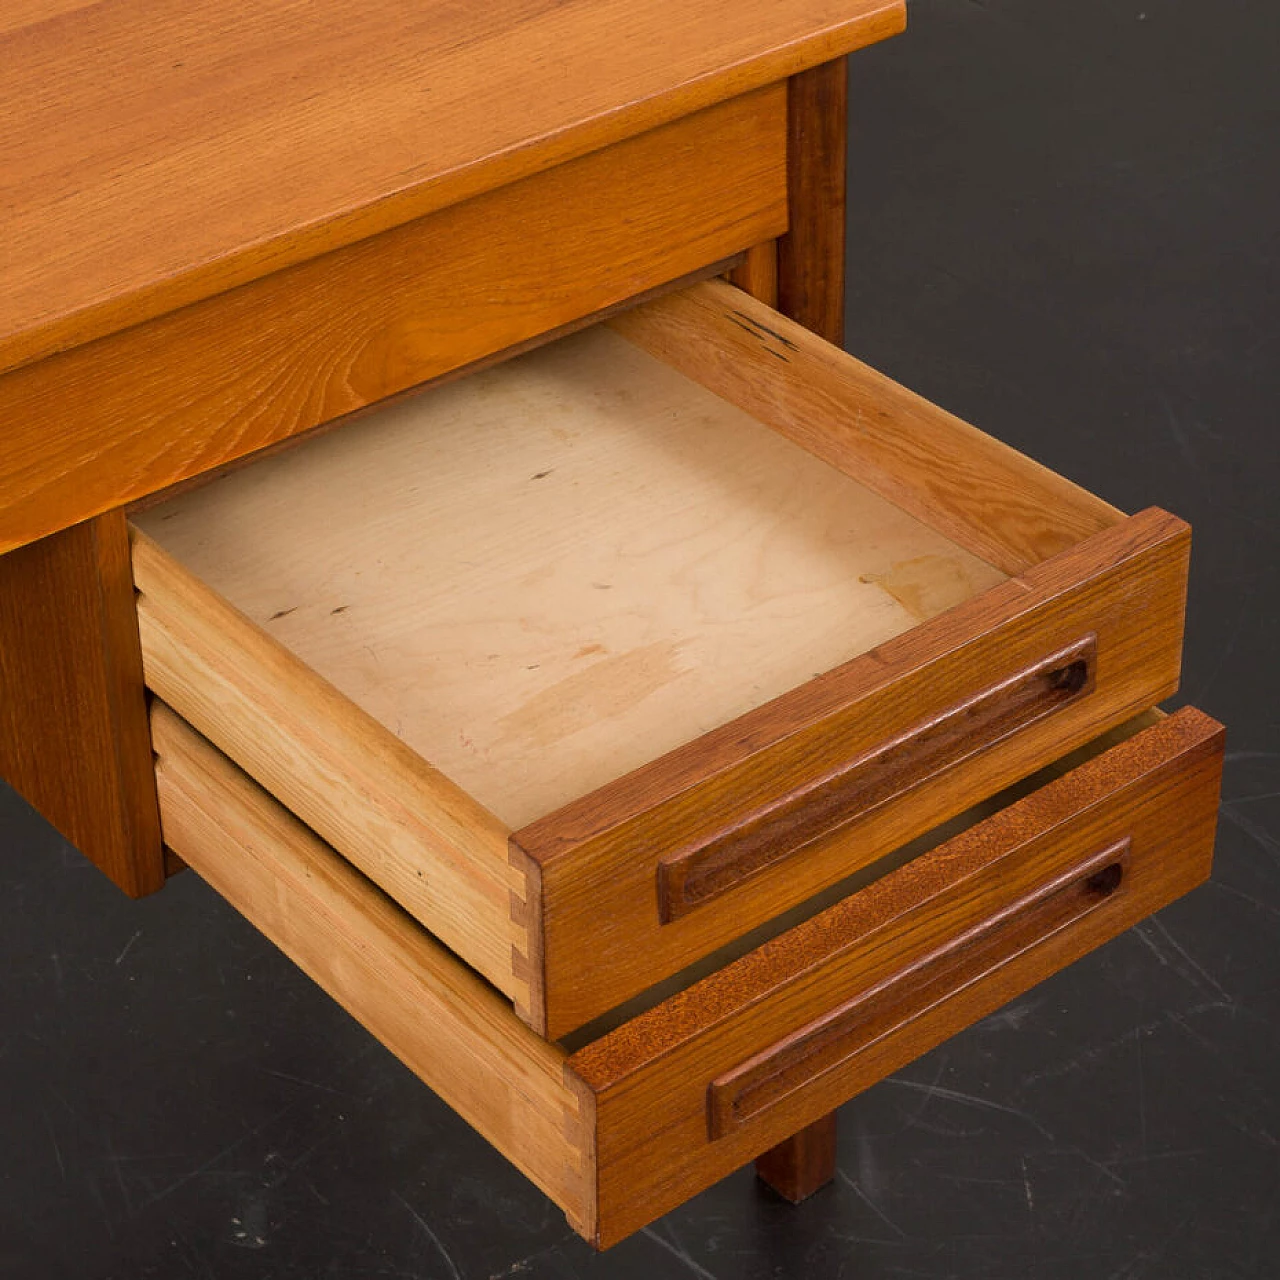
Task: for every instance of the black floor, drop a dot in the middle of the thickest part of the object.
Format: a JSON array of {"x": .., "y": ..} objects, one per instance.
[{"x": 1065, "y": 222}]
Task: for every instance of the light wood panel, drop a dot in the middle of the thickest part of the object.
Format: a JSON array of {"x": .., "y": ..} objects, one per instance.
[
  {"x": 550, "y": 573},
  {"x": 73, "y": 719},
  {"x": 143, "y": 409},
  {"x": 757, "y": 273},
  {"x": 920, "y": 954},
  {"x": 457, "y": 1034},
  {"x": 260, "y": 133},
  {"x": 411, "y": 830},
  {"x": 991, "y": 499},
  {"x": 601, "y": 856}
]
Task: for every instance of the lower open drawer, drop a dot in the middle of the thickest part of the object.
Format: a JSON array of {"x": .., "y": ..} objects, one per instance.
[{"x": 635, "y": 1121}]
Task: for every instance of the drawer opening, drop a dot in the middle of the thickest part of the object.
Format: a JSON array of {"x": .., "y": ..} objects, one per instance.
[{"x": 630, "y": 644}]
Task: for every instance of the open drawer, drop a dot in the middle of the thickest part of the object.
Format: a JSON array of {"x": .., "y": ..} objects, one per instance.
[
  {"x": 599, "y": 658},
  {"x": 645, "y": 1115}
]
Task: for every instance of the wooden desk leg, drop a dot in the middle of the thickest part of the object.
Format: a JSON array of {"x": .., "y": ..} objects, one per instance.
[
  {"x": 74, "y": 738},
  {"x": 802, "y": 1164},
  {"x": 807, "y": 277},
  {"x": 811, "y": 254}
]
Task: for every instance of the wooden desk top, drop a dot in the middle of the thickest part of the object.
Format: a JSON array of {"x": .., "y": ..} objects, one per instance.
[{"x": 156, "y": 152}]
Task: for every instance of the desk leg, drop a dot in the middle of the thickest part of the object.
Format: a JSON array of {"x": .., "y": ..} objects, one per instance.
[
  {"x": 809, "y": 282},
  {"x": 811, "y": 254},
  {"x": 802, "y": 1164},
  {"x": 74, "y": 737}
]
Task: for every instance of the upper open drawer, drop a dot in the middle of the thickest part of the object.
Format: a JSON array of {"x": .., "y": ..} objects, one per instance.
[{"x": 692, "y": 615}]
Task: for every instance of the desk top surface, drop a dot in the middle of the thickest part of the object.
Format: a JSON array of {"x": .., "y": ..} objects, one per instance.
[{"x": 155, "y": 152}]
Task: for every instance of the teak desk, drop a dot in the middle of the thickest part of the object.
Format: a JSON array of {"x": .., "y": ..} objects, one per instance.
[{"x": 655, "y": 737}]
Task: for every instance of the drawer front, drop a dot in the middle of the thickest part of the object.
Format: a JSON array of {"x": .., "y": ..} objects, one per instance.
[{"x": 694, "y": 1088}]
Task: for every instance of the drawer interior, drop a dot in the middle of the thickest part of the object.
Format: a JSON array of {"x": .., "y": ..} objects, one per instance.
[
  {"x": 633, "y": 643},
  {"x": 630, "y": 1120},
  {"x": 549, "y": 573}
]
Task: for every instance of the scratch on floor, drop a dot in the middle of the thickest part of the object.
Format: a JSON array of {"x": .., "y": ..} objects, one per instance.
[
  {"x": 53, "y": 1138},
  {"x": 868, "y": 1170},
  {"x": 1179, "y": 434},
  {"x": 1224, "y": 653},
  {"x": 1216, "y": 885},
  {"x": 1209, "y": 980},
  {"x": 431, "y": 1235},
  {"x": 114, "y": 1161},
  {"x": 676, "y": 1251},
  {"x": 871, "y": 1204},
  {"x": 219, "y": 1156},
  {"x": 1254, "y": 795},
  {"x": 1255, "y": 831},
  {"x": 96, "y": 1191},
  {"x": 1096, "y": 1164},
  {"x": 971, "y": 1100},
  {"x": 310, "y": 1084},
  {"x": 1142, "y": 1096},
  {"x": 1011, "y": 1017},
  {"x": 522, "y": 1265},
  {"x": 128, "y": 946}
]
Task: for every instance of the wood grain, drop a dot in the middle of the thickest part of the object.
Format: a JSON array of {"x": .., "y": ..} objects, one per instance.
[
  {"x": 803, "y": 1163},
  {"x": 1002, "y": 506},
  {"x": 1158, "y": 791},
  {"x": 120, "y": 418},
  {"x": 598, "y": 856},
  {"x": 441, "y": 1020},
  {"x": 261, "y": 134},
  {"x": 547, "y": 574},
  {"x": 811, "y": 253},
  {"x": 73, "y": 720},
  {"x": 757, "y": 274},
  {"x": 415, "y": 834}
]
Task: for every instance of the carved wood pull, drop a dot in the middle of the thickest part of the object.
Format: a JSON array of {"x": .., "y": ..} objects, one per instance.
[
  {"x": 701, "y": 872},
  {"x": 834, "y": 1038}
]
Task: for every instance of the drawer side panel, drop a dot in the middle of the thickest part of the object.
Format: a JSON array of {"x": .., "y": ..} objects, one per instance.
[
  {"x": 408, "y": 828},
  {"x": 436, "y": 1016}
]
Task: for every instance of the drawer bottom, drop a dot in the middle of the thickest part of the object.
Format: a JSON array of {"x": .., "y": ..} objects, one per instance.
[{"x": 638, "y": 1120}]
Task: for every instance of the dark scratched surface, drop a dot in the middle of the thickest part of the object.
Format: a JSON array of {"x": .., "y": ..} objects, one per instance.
[{"x": 1064, "y": 227}]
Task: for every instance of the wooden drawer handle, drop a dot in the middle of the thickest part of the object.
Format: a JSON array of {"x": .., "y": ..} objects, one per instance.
[
  {"x": 701, "y": 872},
  {"x": 833, "y": 1039}
]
